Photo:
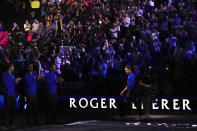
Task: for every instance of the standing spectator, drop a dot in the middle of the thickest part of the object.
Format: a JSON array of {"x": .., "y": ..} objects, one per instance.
[
  {"x": 15, "y": 27},
  {"x": 43, "y": 8},
  {"x": 126, "y": 20},
  {"x": 15, "y": 30},
  {"x": 48, "y": 19},
  {"x": 35, "y": 26},
  {"x": 58, "y": 20},
  {"x": 27, "y": 26}
]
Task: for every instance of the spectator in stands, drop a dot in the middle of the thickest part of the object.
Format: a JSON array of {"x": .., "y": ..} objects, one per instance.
[
  {"x": 27, "y": 26},
  {"x": 104, "y": 30},
  {"x": 35, "y": 26}
]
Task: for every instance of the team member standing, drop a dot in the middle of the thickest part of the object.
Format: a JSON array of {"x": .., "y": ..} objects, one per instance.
[
  {"x": 31, "y": 91},
  {"x": 52, "y": 80},
  {"x": 9, "y": 84},
  {"x": 132, "y": 92}
]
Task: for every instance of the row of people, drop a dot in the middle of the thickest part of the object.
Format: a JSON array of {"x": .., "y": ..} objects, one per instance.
[{"x": 30, "y": 79}]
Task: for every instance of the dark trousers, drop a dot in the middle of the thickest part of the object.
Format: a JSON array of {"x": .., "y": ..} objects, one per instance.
[
  {"x": 9, "y": 110},
  {"x": 128, "y": 103},
  {"x": 32, "y": 109},
  {"x": 51, "y": 107},
  {"x": 146, "y": 100}
]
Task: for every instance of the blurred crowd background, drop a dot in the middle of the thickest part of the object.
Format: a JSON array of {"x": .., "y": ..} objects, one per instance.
[{"x": 91, "y": 41}]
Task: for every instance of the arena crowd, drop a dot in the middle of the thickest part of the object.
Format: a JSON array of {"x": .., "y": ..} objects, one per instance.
[{"x": 91, "y": 41}]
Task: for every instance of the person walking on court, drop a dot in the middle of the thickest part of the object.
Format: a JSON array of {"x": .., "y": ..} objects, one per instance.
[{"x": 132, "y": 92}]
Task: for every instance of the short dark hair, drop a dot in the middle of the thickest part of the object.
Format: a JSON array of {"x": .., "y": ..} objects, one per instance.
[
  {"x": 28, "y": 64},
  {"x": 9, "y": 65},
  {"x": 51, "y": 66},
  {"x": 128, "y": 67}
]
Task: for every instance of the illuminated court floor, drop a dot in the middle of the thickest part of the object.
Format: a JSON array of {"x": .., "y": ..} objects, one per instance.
[
  {"x": 95, "y": 125},
  {"x": 155, "y": 123}
]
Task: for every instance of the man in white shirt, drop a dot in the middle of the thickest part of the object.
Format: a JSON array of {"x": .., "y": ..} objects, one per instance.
[
  {"x": 139, "y": 12},
  {"x": 126, "y": 21},
  {"x": 114, "y": 30},
  {"x": 35, "y": 26}
]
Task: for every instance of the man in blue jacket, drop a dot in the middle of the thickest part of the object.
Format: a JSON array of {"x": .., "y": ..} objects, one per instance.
[
  {"x": 52, "y": 80},
  {"x": 30, "y": 80},
  {"x": 9, "y": 85},
  {"x": 132, "y": 92}
]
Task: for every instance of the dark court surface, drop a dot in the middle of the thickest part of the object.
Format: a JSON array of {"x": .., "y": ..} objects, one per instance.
[
  {"x": 110, "y": 121},
  {"x": 96, "y": 125}
]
